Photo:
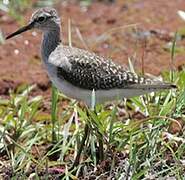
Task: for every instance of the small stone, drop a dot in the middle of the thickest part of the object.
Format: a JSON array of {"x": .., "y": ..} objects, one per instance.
[
  {"x": 26, "y": 42},
  {"x": 16, "y": 51},
  {"x": 34, "y": 33}
]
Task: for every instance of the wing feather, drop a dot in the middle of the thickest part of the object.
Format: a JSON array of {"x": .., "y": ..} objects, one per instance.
[{"x": 90, "y": 71}]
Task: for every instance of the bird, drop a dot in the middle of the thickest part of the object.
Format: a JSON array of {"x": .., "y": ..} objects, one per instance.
[{"x": 77, "y": 72}]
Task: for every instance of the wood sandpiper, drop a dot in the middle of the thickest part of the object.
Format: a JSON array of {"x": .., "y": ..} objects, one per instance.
[{"x": 77, "y": 72}]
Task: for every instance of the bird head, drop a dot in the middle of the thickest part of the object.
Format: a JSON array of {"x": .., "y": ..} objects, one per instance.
[{"x": 44, "y": 19}]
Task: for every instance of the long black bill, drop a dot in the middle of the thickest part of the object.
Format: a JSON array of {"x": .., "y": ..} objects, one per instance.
[{"x": 21, "y": 30}]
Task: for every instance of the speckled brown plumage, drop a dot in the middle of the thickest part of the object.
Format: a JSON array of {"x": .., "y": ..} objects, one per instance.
[{"x": 89, "y": 71}]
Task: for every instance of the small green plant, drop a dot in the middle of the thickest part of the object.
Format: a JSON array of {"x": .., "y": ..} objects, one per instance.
[
  {"x": 15, "y": 8},
  {"x": 17, "y": 132}
]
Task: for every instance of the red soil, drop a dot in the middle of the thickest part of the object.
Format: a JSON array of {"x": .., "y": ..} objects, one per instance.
[{"x": 20, "y": 57}]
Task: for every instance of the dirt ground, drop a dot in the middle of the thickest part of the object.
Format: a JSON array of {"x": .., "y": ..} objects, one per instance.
[{"x": 139, "y": 29}]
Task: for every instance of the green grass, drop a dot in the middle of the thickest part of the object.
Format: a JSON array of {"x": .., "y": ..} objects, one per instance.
[{"x": 139, "y": 148}]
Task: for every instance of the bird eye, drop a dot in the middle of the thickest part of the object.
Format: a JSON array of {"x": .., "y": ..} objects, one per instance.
[{"x": 41, "y": 19}]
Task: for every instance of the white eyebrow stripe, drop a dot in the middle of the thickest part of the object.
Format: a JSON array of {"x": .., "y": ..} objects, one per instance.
[{"x": 46, "y": 14}]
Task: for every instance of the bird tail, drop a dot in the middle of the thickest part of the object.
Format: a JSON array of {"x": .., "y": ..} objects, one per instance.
[
  {"x": 155, "y": 86},
  {"x": 141, "y": 89}
]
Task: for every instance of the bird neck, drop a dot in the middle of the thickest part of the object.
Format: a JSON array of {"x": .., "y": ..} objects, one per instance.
[{"x": 51, "y": 39}]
